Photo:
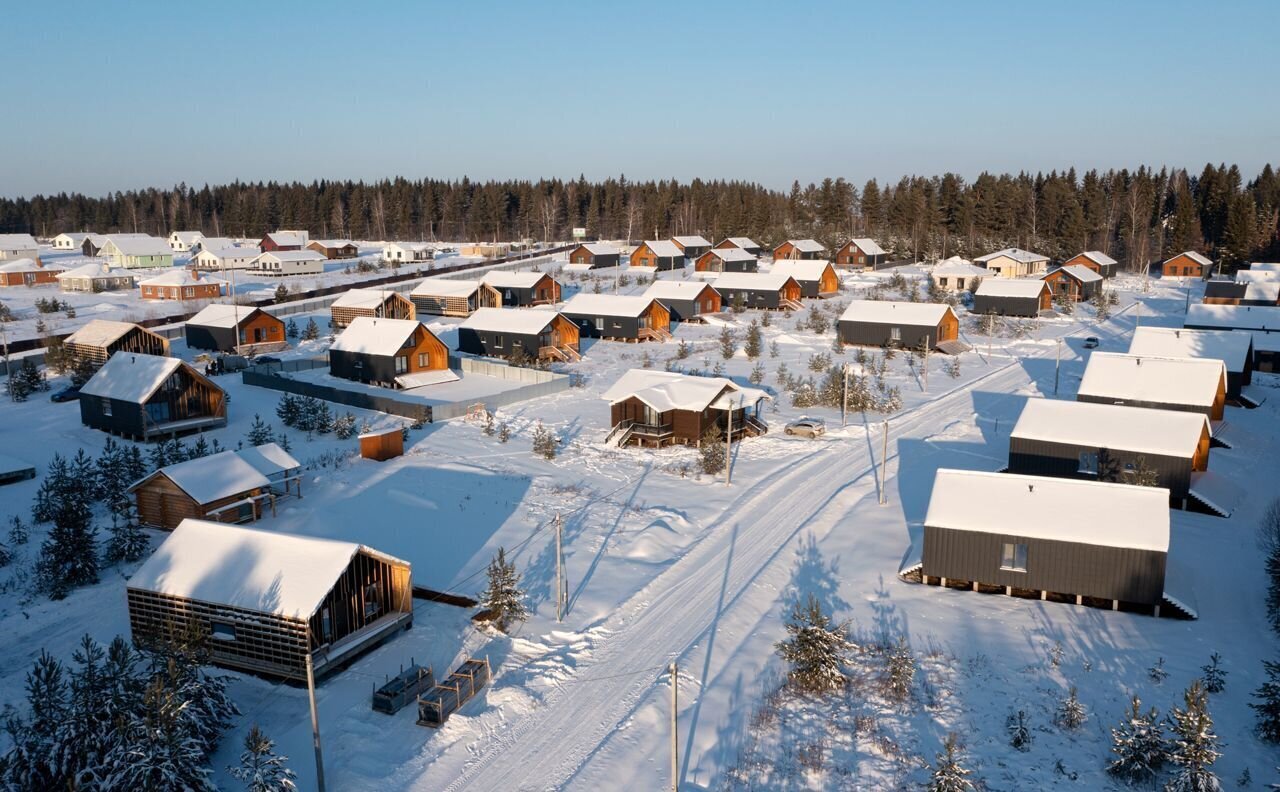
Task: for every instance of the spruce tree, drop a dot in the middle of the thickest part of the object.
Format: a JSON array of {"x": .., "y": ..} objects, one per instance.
[
  {"x": 948, "y": 775},
  {"x": 158, "y": 751},
  {"x": 544, "y": 442},
  {"x": 1269, "y": 541},
  {"x": 259, "y": 433},
  {"x": 754, "y": 341},
  {"x": 1213, "y": 677},
  {"x": 69, "y": 554},
  {"x": 288, "y": 410},
  {"x": 260, "y": 768},
  {"x": 312, "y": 331},
  {"x": 1015, "y": 725},
  {"x": 36, "y": 758},
  {"x": 1071, "y": 714},
  {"x": 1266, "y": 708},
  {"x": 728, "y": 345},
  {"x": 504, "y": 599},
  {"x": 816, "y": 648},
  {"x": 291, "y": 331},
  {"x": 900, "y": 671},
  {"x": 711, "y": 451},
  {"x": 1139, "y": 746},
  {"x": 1195, "y": 746}
]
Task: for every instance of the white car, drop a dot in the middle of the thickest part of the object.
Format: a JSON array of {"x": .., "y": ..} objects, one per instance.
[{"x": 807, "y": 427}]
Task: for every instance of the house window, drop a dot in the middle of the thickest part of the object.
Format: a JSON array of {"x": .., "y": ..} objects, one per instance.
[
  {"x": 222, "y": 631},
  {"x": 422, "y": 360},
  {"x": 895, "y": 334},
  {"x": 189, "y": 291},
  {"x": 1014, "y": 557},
  {"x": 106, "y": 407},
  {"x": 402, "y": 364},
  {"x": 498, "y": 340},
  {"x": 1088, "y": 463},
  {"x": 371, "y": 606}
]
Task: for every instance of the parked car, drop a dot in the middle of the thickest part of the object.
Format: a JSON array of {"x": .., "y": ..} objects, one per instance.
[
  {"x": 1091, "y": 342},
  {"x": 266, "y": 360},
  {"x": 69, "y": 393},
  {"x": 807, "y": 427}
]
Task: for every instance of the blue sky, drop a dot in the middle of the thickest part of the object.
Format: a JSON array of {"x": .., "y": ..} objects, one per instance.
[{"x": 110, "y": 96}]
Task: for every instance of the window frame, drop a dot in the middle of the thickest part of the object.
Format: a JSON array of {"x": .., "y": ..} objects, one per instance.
[{"x": 1011, "y": 553}]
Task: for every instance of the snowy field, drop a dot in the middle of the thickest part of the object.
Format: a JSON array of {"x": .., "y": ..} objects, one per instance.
[{"x": 667, "y": 565}]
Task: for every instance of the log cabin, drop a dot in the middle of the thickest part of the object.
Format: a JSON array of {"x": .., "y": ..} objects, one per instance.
[
  {"x": 96, "y": 276},
  {"x": 268, "y": 600},
  {"x": 448, "y": 297},
  {"x": 957, "y": 275},
  {"x": 536, "y": 335},
  {"x": 691, "y": 246},
  {"x": 182, "y": 241},
  {"x": 817, "y": 278},
  {"x": 402, "y": 252},
  {"x": 1188, "y": 264},
  {"x": 148, "y": 397},
  {"x": 137, "y": 251},
  {"x": 657, "y": 254},
  {"x": 730, "y": 259},
  {"x": 182, "y": 284},
  {"x": 1196, "y": 385},
  {"x": 227, "y": 487},
  {"x": 1075, "y": 283},
  {"x": 28, "y": 272},
  {"x": 905, "y": 325},
  {"x": 1012, "y": 297},
  {"x": 769, "y": 290},
  {"x": 334, "y": 249},
  {"x": 742, "y": 243},
  {"x": 283, "y": 240},
  {"x": 1103, "y": 442},
  {"x": 595, "y": 255},
  {"x": 18, "y": 246},
  {"x": 616, "y": 317},
  {"x": 688, "y": 301},
  {"x": 1049, "y": 539},
  {"x": 222, "y": 259},
  {"x": 284, "y": 263},
  {"x": 375, "y": 303},
  {"x": 649, "y": 407},
  {"x": 98, "y": 340},
  {"x": 1233, "y": 347},
  {"x": 799, "y": 249},
  {"x": 392, "y": 353},
  {"x": 1013, "y": 263},
  {"x": 1262, "y": 322},
  {"x": 523, "y": 289},
  {"x": 861, "y": 253},
  {"x": 241, "y": 329},
  {"x": 1095, "y": 260}
]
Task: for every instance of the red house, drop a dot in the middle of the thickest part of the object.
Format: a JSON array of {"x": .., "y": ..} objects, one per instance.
[{"x": 283, "y": 240}]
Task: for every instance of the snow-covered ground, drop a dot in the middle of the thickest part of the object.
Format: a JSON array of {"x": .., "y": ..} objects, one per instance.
[{"x": 667, "y": 565}]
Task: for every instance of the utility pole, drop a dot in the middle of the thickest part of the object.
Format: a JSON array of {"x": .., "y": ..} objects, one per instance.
[
  {"x": 4, "y": 339},
  {"x": 561, "y": 585},
  {"x": 1057, "y": 367},
  {"x": 675, "y": 748},
  {"x": 884, "y": 462},
  {"x": 926, "y": 363},
  {"x": 728, "y": 450},
  {"x": 315, "y": 718},
  {"x": 844, "y": 399}
]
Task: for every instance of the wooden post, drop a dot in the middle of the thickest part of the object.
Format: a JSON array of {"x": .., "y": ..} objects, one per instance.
[
  {"x": 315, "y": 718},
  {"x": 844, "y": 398},
  {"x": 1079, "y": 599},
  {"x": 884, "y": 462},
  {"x": 1057, "y": 367},
  {"x": 926, "y": 363},
  {"x": 1044, "y": 595},
  {"x": 1115, "y": 605},
  {"x": 675, "y": 748},
  {"x": 560, "y": 587},
  {"x": 973, "y": 586},
  {"x": 943, "y": 583}
]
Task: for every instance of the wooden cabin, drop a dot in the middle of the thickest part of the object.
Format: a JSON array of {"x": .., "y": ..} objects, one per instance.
[
  {"x": 407, "y": 252},
  {"x": 1189, "y": 384},
  {"x": 334, "y": 249},
  {"x": 861, "y": 253},
  {"x": 269, "y": 599},
  {"x": 1012, "y": 297},
  {"x": 1074, "y": 283},
  {"x": 28, "y": 272},
  {"x": 730, "y": 259},
  {"x": 691, "y": 246},
  {"x": 817, "y": 278},
  {"x": 283, "y": 240},
  {"x": 18, "y": 246},
  {"x": 1102, "y": 442},
  {"x": 595, "y": 255},
  {"x": 182, "y": 284},
  {"x": 1233, "y": 347},
  {"x": 96, "y": 276},
  {"x": 1095, "y": 260},
  {"x": 446, "y": 297},
  {"x": 98, "y": 340},
  {"x": 375, "y": 303},
  {"x": 137, "y": 251},
  {"x": 523, "y": 289},
  {"x": 393, "y": 353},
  {"x": 227, "y": 487},
  {"x": 148, "y": 397},
  {"x": 774, "y": 291},
  {"x": 236, "y": 328},
  {"x": 659, "y": 255},
  {"x": 957, "y": 275},
  {"x": 1188, "y": 264},
  {"x": 182, "y": 241},
  {"x": 617, "y": 317},
  {"x": 1013, "y": 263},
  {"x": 1262, "y": 322},
  {"x": 284, "y": 263},
  {"x": 688, "y": 301},
  {"x": 742, "y": 243},
  {"x": 383, "y": 445},
  {"x": 649, "y": 407},
  {"x": 537, "y": 335},
  {"x": 906, "y": 325},
  {"x": 1048, "y": 539},
  {"x": 799, "y": 249},
  {"x": 222, "y": 259}
]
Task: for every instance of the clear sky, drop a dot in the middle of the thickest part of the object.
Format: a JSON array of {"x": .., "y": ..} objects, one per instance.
[{"x": 103, "y": 96}]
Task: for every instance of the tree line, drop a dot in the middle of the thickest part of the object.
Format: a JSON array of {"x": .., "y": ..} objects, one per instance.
[{"x": 1136, "y": 216}]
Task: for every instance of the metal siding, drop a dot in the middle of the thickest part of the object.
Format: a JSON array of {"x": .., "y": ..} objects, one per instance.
[
  {"x": 1006, "y": 306},
  {"x": 1062, "y": 460},
  {"x": 876, "y": 334},
  {"x": 1205, "y": 411}
]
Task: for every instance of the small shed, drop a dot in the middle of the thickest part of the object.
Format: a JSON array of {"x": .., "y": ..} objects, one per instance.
[
  {"x": 1012, "y": 297},
  {"x": 861, "y": 253},
  {"x": 1233, "y": 347},
  {"x": 269, "y": 599},
  {"x": 775, "y": 291},
  {"x": 657, "y": 254},
  {"x": 817, "y": 278},
  {"x": 692, "y": 246},
  {"x": 381, "y": 446},
  {"x": 595, "y": 255},
  {"x": 229, "y": 487},
  {"x": 28, "y": 272},
  {"x": 1188, "y": 264},
  {"x": 96, "y": 276},
  {"x": 650, "y": 407},
  {"x": 523, "y": 289},
  {"x": 334, "y": 248},
  {"x": 1074, "y": 282},
  {"x": 447, "y": 297},
  {"x": 900, "y": 324},
  {"x": 374, "y": 303},
  {"x": 235, "y": 328},
  {"x": 730, "y": 259},
  {"x": 387, "y": 352},
  {"x": 98, "y": 340},
  {"x": 284, "y": 263},
  {"x": 618, "y": 317},
  {"x": 1095, "y": 260},
  {"x": 742, "y": 243},
  {"x": 148, "y": 397},
  {"x": 13, "y": 470},
  {"x": 799, "y": 249},
  {"x": 1013, "y": 263},
  {"x": 688, "y": 301},
  {"x": 536, "y": 334},
  {"x": 1048, "y": 538},
  {"x": 1189, "y": 384}
]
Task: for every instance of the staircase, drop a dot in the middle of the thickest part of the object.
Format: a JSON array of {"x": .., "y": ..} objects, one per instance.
[
  {"x": 564, "y": 353},
  {"x": 654, "y": 334},
  {"x": 570, "y": 354},
  {"x": 619, "y": 435},
  {"x": 754, "y": 427},
  {"x": 791, "y": 305}
]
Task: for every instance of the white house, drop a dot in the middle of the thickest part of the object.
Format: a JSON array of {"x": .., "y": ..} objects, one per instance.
[
  {"x": 956, "y": 274},
  {"x": 406, "y": 251},
  {"x": 289, "y": 262},
  {"x": 69, "y": 241},
  {"x": 18, "y": 246},
  {"x": 223, "y": 259},
  {"x": 181, "y": 241},
  {"x": 1013, "y": 263}
]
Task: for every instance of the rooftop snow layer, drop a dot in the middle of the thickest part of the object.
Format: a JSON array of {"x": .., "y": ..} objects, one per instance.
[
  {"x": 1082, "y": 273},
  {"x": 663, "y": 248},
  {"x": 17, "y": 242},
  {"x": 500, "y": 279},
  {"x": 368, "y": 335},
  {"x": 1011, "y": 287},
  {"x": 1233, "y": 317},
  {"x": 28, "y": 265},
  {"x": 1065, "y": 510},
  {"x": 180, "y": 276},
  {"x": 510, "y": 320},
  {"x": 1198, "y": 258},
  {"x": 751, "y": 281},
  {"x": 292, "y": 255},
  {"x": 95, "y": 269},
  {"x": 601, "y": 249},
  {"x": 607, "y": 305},
  {"x": 806, "y": 245},
  {"x": 676, "y": 290},
  {"x": 744, "y": 242},
  {"x": 733, "y": 254},
  {"x": 445, "y": 287},
  {"x": 362, "y": 298},
  {"x": 1229, "y": 346},
  {"x": 131, "y": 377},
  {"x": 141, "y": 246},
  {"x": 228, "y": 473},
  {"x": 1099, "y": 258},
  {"x": 1017, "y": 254},
  {"x": 669, "y": 390},
  {"x": 1170, "y": 433},
  {"x": 899, "y": 313},
  {"x": 802, "y": 269},
  {"x": 869, "y": 246},
  {"x": 958, "y": 266},
  {"x": 99, "y": 332},
  {"x": 1168, "y": 380},
  {"x": 219, "y": 315},
  {"x": 691, "y": 241},
  {"x": 287, "y": 238}
]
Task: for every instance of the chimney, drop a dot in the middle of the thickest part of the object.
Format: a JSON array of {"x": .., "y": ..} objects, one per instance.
[{"x": 1031, "y": 488}]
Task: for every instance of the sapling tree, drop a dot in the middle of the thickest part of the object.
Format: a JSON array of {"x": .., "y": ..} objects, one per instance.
[
  {"x": 816, "y": 648},
  {"x": 948, "y": 774},
  {"x": 1070, "y": 714},
  {"x": 1019, "y": 732},
  {"x": 1266, "y": 704},
  {"x": 1194, "y": 745},
  {"x": 1212, "y": 675},
  {"x": 261, "y": 769},
  {"x": 503, "y": 598},
  {"x": 1138, "y": 746}
]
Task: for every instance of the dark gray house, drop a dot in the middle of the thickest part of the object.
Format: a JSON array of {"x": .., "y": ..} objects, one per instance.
[
  {"x": 658, "y": 254},
  {"x": 687, "y": 300},
  {"x": 1263, "y": 321},
  {"x": 149, "y": 397},
  {"x": 774, "y": 291},
  {"x": 692, "y": 246},
  {"x": 1233, "y": 347},
  {"x": 595, "y": 255},
  {"x": 1103, "y": 442},
  {"x": 899, "y": 324},
  {"x": 499, "y": 332},
  {"x": 619, "y": 317},
  {"x": 1163, "y": 383},
  {"x": 394, "y": 353},
  {"x": 1012, "y": 297},
  {"x": 523, "y": 289},
  {"x": 1048, "y": 538}
]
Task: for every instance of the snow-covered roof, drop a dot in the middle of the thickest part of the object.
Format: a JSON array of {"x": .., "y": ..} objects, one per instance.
[
  {"x": 332, "y": 243},
  {"x": 1170, "y": 433},
  {"x": 130, "y": 376},
  {"x": 17, "y": 242},
  {"x": 1060, "y": 509},
  {"x": 221, "y": 315},
  {"x": 1017, "y": 254},
  {"x": 676, "y": 289},
  {"x": 748, "y": 281},
  {"x": 229, "y": 251},
  {"x": 691, "y": 241},
  {"x": 958, "y": 266},
  {"x": 806, "y": 245},
  {"x": 263, "y": 571},
  {"x": 408, "y": 246},
  {"x": 180, "y": 276},
  {"x": 1011, "y": 287},
  {"x": 227, "y": 473},
  {"x": 663, "y": 248},
  {"x": 445, "y": 287},
  {"x": 607, "y": 305},
  {"x": 1229, "y": 346},
  {"x": 287, "y": 238},
  {"x": 367, "y": 335},
  {"x": 1099, "y": 258},
  {"x": 601, "y": 249},
  {"x": 95, "y": 269},
  {"x": 802, "y": 269},
  {"x": 28, "y": 265},
  {"x": 744, "y": 242},
  {"x": 215, "y": 243},
  {"x": 420, "y": 379},
  {"x": 732, "y": 254},
  {"x": 99, "y": 332},
  {"x": 501, "y": 279},
  {"x": 869, "y": 246},
  {"x": 1080, "y": 273},
  {"x": 141, "y": 246},
  {"x": 75, "y": 237},
  {"x": 269, "y": 459},
  {"x": 899, "y": 313},
  {"x": 186, "y": 237},
  {"x": 363, "y": 298},
  {"x": 1262, "y": 291},
  {"x": 1198, "y": 258},
  {"x": 1233, "y": 317},
  {"x": 1257, "y": 276},
  {"x": 510, "y": 320},
  {"x": 1168, "y": 380},
  {"x": 292, "y": 255},
  {"x": 670, "y": 390},
  {"x": 1265, "y": 266}
]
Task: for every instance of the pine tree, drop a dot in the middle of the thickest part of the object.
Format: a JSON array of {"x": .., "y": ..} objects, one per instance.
[
  {"x": 282, "y": 293},
  {"x": 259, "y": 433},
  {"x": 544, "y": 442},
  {"x": 158, "y": 751},
  {"x": 1195, "y": 746},
  {"x": 289, "y": 410},
  {"x": 948, "y": 775},
  {"x": 1269, "y": 540},
  {"x": 323, "y": 418},
  {"x": 312, "y": 331},
  {"x": 19, "y": 533},
  {"x": 488, "y": 427},
  {"x": 755, "y": 340},
  {"x": 1157, "y": 672},
  {"x": 1071, "y": 714},
  {"x": 291, "y": 331},
  {"x": 1019, "y": 732},
  {"x": 1213, "y": 677},
  {"x": 504, "y": 599},
  {"x": 37, "y": 758},
  {"x": 1267, "y": 706},
  {"x": 69, "y": 554},
  {"x": 728, "y": 345},
  {"x": 683, "y": 350},
  {"x": 82, "y": 369},
  {"x": 504, "y": 432},
  {"x": 126, "y": 541},
  {"x": 756, "y": 376},
  {"x": 344, "y": 426},
  {"x": 900, "y": 671},
  {"x": 816, "y": 648},
  {"x": 711, "y": 450},
  {"x": 260, "y": 769}
]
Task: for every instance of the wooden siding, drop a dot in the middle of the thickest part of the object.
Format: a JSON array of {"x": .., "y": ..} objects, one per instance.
[
  {"x": 581, "y": 255},
  {"x": 1106, "y": 271},
  {"x": 382, "y": 446},
  {"x": 332, "y": 253},
  {"x": 395, "y": 306},
  {"x": 644, "y": 256},
  {"x": 788, "y": 251},
  {"x": 439, "y": 305},
  {"x": 545, "y": 291},
  {"x": 1182, "y": 266},
  {"x": 629, "y": 328},
  {"x": 40, "y": 277},
  {"x": 423, "y": 352},
  {"x": 711, "y": 262},
  {"x": 725, "y": 244},
  {"x": 200, "y": 291},
  {"x": 139, "y": 339},
  {"x": 186, "y": 396},
  {"x": 851, "y": 256},
  {"x": 560, "y": 332},
  {"x": 163, "y": 504},
  {"x": 1063, "y": 283}
]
